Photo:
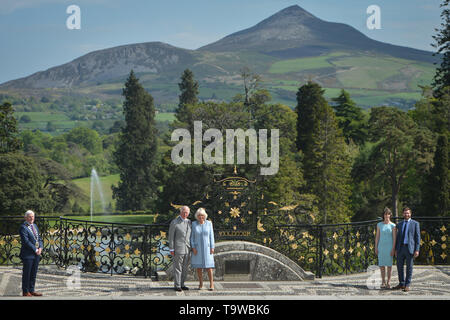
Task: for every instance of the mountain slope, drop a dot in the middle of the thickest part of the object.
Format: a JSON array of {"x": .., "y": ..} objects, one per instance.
[
  {"x": 108, "y": 64},
  {"x": 287, "y": 49},
  {"x": 294, "y": 32}
]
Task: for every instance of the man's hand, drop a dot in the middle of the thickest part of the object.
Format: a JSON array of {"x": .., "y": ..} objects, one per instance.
[
  {"x": 172, "y": 253},
  {"x": 416, "y": 254}
]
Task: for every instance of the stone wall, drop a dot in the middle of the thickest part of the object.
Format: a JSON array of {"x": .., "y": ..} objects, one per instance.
[{"x": 247, "y": 261}]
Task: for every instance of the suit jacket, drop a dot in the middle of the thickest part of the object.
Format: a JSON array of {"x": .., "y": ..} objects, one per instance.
[
  {"x": 179, "y": 235},
  {"x": 28, "y": 241},
  {"x": 413, "y": 236}
]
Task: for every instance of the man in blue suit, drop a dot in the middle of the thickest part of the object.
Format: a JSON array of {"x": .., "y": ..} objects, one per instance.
[
  {"x": 30, "y": 253},
  {"x": 406, "y": 248}
]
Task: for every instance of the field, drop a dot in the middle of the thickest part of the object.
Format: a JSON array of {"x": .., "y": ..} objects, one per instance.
[
  {"x": 302, "y": 64},
  {"x": 371, "y": 80},
  {"x": 62, "y": 123}
]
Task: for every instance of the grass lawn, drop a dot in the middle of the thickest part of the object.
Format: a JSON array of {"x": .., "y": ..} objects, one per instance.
[
  {"x": 165, "y": 116},
  {"x": 106, "y": 183}
]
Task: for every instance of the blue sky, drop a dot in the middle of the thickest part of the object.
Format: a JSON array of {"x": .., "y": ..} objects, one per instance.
[{"x": 34, "y": 36}]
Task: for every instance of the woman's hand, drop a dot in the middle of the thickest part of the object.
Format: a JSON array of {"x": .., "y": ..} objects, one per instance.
[
  {"x": 211, "y": 250},
  {"x": 194, "y": 251},
  {"x": 392, "y": 252}
]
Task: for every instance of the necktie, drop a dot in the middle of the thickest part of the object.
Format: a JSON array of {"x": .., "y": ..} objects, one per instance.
[
  {"x": 34, "y": 231},
  {"x": 405, "y": 227},
  {"x": 35, "y": 236}
]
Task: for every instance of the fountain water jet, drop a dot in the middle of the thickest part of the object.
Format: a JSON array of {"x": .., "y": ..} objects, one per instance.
[{"x": 95, "y": 181}]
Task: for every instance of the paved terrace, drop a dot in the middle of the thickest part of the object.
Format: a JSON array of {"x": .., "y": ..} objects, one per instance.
[{"x": 429, "y": 282}]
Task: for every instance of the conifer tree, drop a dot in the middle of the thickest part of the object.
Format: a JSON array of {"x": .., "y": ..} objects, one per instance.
[
  {"x": 400, "y": 146},
  {"x": 442, "y": 76},
  {"x": 309, "y": 99},
  {"x": 9, "y": 140},
  {"x": 437, "y": 198},
  {"x": 326, "y": 161},
  {"x": 350, "y": 118},
  {"x": 135, "y": 155},
  {"x": 189, "y": 91}
]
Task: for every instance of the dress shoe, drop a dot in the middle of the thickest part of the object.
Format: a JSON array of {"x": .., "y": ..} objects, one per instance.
[
  {"x": 178, "y": 289},
  {"x": 36, "y": 294},
  {"x": 406, "y": 289},
  {"x": 185, "y": 288},
  {"x": 26, "y": 294},
  {"x": 398, "y": 287}
]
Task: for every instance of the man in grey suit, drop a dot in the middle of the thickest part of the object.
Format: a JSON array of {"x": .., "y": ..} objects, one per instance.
[{"x": 180, "y": 247}]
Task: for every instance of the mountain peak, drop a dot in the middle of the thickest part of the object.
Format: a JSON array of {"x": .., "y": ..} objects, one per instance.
[
  {"x": 288, "y": 25},
  {"x": 293, "y": 10},
  {"x": 288, "y": 17}
]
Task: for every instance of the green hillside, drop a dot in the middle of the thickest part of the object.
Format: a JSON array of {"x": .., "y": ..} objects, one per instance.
[{"x": 62, "y": 123}]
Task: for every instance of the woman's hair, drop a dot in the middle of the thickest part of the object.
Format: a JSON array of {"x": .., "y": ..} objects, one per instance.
[
  {"x": 388, "y": 211},
  {"x": 201, "y": 211}
]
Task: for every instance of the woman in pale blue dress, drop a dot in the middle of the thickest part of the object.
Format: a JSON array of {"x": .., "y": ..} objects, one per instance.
[
  {"x": 385, "y": 247},
  {"x": 202, "y": 244}
]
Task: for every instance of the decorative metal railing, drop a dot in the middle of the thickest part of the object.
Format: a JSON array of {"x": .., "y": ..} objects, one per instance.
[
  {"x": 337, "y": 249},
  {"x": 142, "y": 250}
]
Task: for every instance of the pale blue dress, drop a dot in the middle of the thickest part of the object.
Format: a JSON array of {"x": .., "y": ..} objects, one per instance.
[
  {"x": 385, "y": 244},
  {"x": 202, "y": 239}
]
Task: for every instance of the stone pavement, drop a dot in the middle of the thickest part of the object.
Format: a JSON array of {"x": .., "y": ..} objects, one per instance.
[{"x": 429, "y": 282}]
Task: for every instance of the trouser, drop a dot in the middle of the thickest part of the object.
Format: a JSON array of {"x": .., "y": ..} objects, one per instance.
[
  {"x": 404, "y": 256},
  {"x": 29, "y": 271},
  {"x": 180, "y": 269}
]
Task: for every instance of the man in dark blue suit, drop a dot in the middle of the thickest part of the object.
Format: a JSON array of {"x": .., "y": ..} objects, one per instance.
[
  {"x": 30, "y": 253},
  {"x": 406, "y": 248}
]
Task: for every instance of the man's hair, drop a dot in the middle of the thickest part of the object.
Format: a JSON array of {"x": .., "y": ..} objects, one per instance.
[
  {"x": 406, "y": 209},
  {"x": 182, "y": 207},
  {"x": 29, "y": 212}
]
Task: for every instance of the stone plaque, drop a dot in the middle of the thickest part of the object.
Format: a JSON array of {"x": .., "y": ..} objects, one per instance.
[{"x": 237, "y": 267}]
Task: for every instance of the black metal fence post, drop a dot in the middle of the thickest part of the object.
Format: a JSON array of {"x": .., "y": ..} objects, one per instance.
[
  {"x": 145, "y": 247},
  {"x": 113, "y": 249},
  {"x": 347, "y": 247},
  {"x": 66, "y": 246},
  {"x": 320, "y": 253}
]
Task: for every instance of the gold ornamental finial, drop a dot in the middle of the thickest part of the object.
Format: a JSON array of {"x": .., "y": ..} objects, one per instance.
[{"x": 235, "y": 169}]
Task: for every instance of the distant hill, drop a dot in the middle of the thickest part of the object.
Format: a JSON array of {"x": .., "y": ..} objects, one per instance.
[
  {"x": 293, "y": 32},
  {"x": 287, "y": 49},
  {"x": 108, "y": 64}
]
